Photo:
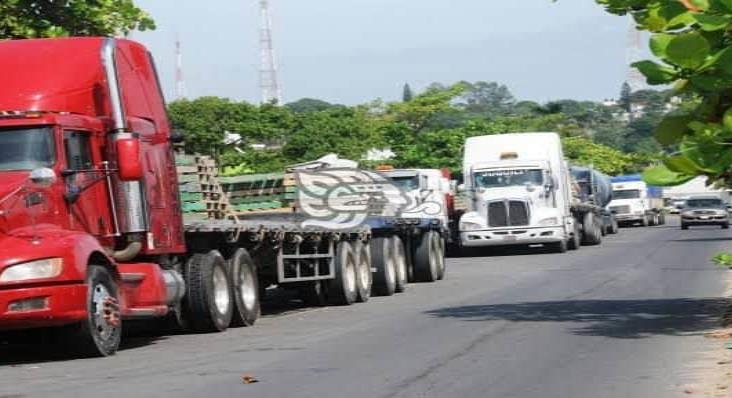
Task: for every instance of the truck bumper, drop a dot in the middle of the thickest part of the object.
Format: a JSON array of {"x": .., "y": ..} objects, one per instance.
[
  {"x": 35, "y": 307},
  {"x": 628, "y": 218},
  {"x": 517, "y": 236}
]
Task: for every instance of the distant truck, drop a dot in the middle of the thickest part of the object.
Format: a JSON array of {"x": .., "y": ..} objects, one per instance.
[
  {"x": 635, "y": 202},
  {"x": 594, "y": 193},
  {"x": 518, "y": 192}
]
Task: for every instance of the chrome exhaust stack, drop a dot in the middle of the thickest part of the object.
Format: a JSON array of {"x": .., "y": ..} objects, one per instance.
[{"x": 129, "y": 199}]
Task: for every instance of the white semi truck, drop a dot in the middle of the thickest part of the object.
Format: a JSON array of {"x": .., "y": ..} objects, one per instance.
[
  {"x": 635, "y": 202},
  {"x": 518, "y": 192}
]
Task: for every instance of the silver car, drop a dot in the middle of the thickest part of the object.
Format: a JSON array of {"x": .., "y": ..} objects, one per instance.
[{"x": 704, "y": 211}]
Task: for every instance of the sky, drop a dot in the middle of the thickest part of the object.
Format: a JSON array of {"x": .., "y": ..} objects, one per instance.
[{"x": 355, "y": 51}]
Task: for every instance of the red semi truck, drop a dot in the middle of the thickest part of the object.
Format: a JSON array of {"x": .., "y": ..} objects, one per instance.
[{"x": 91, "y": 228}]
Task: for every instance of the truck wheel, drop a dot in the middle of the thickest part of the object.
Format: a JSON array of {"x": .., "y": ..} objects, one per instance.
[
  {"x": 725, "y": 225},
  {"x": 400, "y": 263},
  {"x": 426, "y": 257},
  {"x": 314, "y": 294},
  {"x": 364, "y": 279},
  {"x": 684, "y": 226},
  {"x": 208, "y": 300},
  {"x": 342, "y": 289},
  {"x": 574, "y": 241},
  {"x": 100, "y": 333},
  {"x": 558, "y": 247},
  {"x": 614, "y": 227},
  {"x": 442, "y": 269},
  {"x": 591, "y": 230},
  {"x": 245, "y": 286},
  {"x": 383, "y": 259}
]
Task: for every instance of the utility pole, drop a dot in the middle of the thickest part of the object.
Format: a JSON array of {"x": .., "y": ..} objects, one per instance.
[
  {"x": 180, "y": 84},
  {"x": 269, "y": 84}
]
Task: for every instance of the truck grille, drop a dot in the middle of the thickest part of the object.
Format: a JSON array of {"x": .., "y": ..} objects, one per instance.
[
  {"x": 620, "y": 209},
  {"x": 508, "y": 213}
]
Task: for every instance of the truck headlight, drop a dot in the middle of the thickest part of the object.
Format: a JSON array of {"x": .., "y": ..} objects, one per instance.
[
  {"x": 39, "y": 269},
  {"x": 548, "y": 221},
  {"x": 470, "y": 226}
]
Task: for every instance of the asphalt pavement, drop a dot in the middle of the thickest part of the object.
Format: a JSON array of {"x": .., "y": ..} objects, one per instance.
[{"x": 623, "y": 319}]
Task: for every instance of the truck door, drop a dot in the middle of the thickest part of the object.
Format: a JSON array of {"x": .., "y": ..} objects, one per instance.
[{"x": 84, "y": 185}]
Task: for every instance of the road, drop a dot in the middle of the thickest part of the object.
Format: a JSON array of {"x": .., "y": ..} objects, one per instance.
[{"x": 620, "y": 320}]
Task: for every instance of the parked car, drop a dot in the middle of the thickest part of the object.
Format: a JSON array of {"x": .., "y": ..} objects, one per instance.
[{"x": 704, "y": 211}]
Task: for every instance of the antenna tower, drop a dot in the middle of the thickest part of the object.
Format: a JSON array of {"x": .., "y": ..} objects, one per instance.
[
  {"x": 180, "y": 84},
  {"x": 633, "y": 54},
  {"x": 269, "y": 85}
]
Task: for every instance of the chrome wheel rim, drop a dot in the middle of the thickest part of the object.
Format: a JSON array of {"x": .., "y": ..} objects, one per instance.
[
  {"x": 350, "y": 274},
  {"x": 103, "y": 324},
  {"x": 246, "y": 287},
  {"x": 221, "y": 290}
]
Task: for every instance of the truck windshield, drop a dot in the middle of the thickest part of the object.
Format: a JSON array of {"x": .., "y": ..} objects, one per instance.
[
  {"x": 626, "y": 194},
  {"x": 704, "y": 203},
  {"x": 26, "y": 148},
  {"x": 407, "y": 183},
  {"x": 508, "y": 178}
]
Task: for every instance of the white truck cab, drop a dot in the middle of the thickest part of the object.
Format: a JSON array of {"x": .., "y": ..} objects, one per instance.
[
  {"x": 634, "y": 201},
  {"x": 517, "y": 189}
]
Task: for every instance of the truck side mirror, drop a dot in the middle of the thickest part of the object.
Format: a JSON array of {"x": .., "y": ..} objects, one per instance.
[
  {"x": 128, "y": 158},
  {"x": 43, "y": 176}
]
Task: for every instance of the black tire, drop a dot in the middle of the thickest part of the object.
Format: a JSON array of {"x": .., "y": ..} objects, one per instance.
[
  {"x": 208, "y": 303},
  {"x": 314, "y": 294},
  {"x": 684, "y": 226},
  {"x": 614, "y": 227},
  {"x": 401, "y": 265},
  {"x": 364, "y": 278},
  {"x": 100, "y": 333},
  {"x": 426, "y": 261},
  {"x": 591, "y": 230},
  {"x": 245, "y": 288},
  {"x": 558, "y": 247},
  {"x": 575, "y": 240},
  {"x": 383, "y": 259},
  {"x": 342, "y": 289},
  {"x": 725, "y": 225}
]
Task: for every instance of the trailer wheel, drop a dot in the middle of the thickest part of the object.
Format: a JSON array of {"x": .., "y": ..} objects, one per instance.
[
  {"x": 591, "y": 230},
  {"x": 384, "y": 260},
  {"x": 426, "y": 257},
  {"x": 725, "y": 225},
  {"x": 400, "y": 263},
  {"x": 100, "y": 333},
  {"x": 364, "y": 278},
  {"x": 314, "y": 294},
  {"x": 684, "y": 226},
  {"x": 208, "y": 301},
  {"x": 342, "y": 289},
  {"x": 245, "y": 286}
]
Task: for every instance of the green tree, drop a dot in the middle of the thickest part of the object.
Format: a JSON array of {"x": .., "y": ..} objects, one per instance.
[
  {"x": 55, "y": 18},
  {"x": 625, "y": 100},
  {"x": 306, "y": 105},
  {"x": 487, "y": 98},
  {"x": 407, "y": 93},
  {"x": 692, "y": 40}
]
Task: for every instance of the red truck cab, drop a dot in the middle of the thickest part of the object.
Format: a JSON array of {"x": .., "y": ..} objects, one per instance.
[{"x": 90, "y": 217}]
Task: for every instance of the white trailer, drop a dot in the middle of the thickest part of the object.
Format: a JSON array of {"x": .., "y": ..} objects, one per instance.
[{"x": 518, "y": 192}]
